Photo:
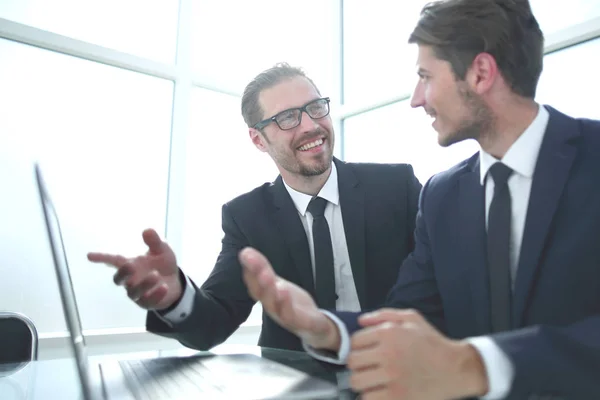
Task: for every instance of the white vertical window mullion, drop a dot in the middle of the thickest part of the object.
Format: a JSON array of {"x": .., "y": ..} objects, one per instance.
[{"x": 179, "y": 130}]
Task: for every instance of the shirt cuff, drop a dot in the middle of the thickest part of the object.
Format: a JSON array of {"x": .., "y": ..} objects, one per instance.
[
  {"x": 341, "y": 356},
  {"x": 183, "y": 309},
  {"x": 499, "y": 368}
]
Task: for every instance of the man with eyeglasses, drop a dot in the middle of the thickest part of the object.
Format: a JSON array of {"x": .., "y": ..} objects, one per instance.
[{"x": 338, "y": 230}]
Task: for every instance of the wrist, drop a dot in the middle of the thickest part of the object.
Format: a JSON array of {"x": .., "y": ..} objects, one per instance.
[
  {"x": 333, "y": 338},
  {"x": 471, "y": 374},
  {"x": 330, "y": 339},
  {"x": 175, "y": 293}
]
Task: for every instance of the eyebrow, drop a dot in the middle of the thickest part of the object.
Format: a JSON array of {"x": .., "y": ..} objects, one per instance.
[{"x": 295, "y": 108}]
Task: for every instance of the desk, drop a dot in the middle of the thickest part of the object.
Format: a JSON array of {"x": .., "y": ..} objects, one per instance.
[{"x": 50, "y": 379}]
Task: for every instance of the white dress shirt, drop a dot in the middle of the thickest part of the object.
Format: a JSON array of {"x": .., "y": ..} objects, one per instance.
[
  {"x": 344, "y": 280},
  {"x": 521, "y": 157}
]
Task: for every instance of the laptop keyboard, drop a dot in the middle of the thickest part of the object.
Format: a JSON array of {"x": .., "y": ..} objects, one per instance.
[
  {"x": 171, "y": 378},
  {"x": 234, "y": 376}
]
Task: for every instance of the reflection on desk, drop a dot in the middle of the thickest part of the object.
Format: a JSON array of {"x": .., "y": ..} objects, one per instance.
[{"x": 58, "y": 378}]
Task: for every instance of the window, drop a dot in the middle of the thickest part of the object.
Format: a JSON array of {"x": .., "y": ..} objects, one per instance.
[
  {"x": 110, "y": 139},
  {"x": 234, "y": 40},
  {"x": 147, "y": 28},
  {"x": 569, "y": 81},
  {"x": 398, "y": 134},
  {"x": 378, "y": 61},
  {"x": 222, "y": 163},
  {"x": 101, "y": 135},
  {"x": 555, "y": 16}
]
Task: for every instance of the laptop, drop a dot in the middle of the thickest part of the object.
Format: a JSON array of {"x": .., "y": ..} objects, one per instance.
[{"x": 227, "y": 376}]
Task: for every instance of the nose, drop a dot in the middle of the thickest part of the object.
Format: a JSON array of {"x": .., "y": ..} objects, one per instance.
[
  {"x": 418, "y": 97},
  {"x": 307, "y": 124}
]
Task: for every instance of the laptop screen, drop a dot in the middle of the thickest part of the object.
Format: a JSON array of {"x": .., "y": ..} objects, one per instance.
[{"x": 65, "y": 284}]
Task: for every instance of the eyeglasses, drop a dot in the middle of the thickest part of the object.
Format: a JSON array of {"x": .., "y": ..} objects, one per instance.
[{"x": 291, "y": 118}]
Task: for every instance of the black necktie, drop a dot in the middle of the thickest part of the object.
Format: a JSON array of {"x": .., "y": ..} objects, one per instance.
[
  {"x": 325, "y": 279},
  {"x": 498, "y": 249}
]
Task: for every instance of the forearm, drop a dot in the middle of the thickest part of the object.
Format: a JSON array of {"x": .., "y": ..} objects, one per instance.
[
  {"x": 221, "y": 305},
  {"x": 555, "y": 360},
  {"x": 209, "y": 323}
]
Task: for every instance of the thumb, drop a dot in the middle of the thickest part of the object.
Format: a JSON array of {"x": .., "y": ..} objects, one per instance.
[
  {"x": 153, "y": 241},
  {"x": 253, "y": 260}
]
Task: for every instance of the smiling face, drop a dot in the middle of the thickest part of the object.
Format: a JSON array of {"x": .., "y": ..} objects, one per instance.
[
  {"x": 307, "y": 149},
  {"x": 459, "y": 112}
]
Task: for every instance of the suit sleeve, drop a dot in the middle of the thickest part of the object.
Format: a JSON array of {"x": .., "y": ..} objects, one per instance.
[
  {"x": 413, "y": 191},
  {"x": 416, "y": 287},
  {"x": 221, "y": 304},
  {"x": 562, "y": 361}
]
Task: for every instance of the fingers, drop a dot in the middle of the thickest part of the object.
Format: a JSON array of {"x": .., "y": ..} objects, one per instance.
[
  {"x": 150, "y": 299},
  {"x": 125, "y": 271},
  {"x": 141, "y": 276},
  {"x": 153, "y": 241},
  {"x": 368, "y": 379},
  {"x": 360, "y": 359},
  {"x": 369, "y": 338},
  {"x": 147, "y": 291},
  {"x": 262, "y": 282},
  {"x": 263, "y": 288},
  {"x": 253, "y": 260},
  {"x": 136, "y": 290},
  {"x": 368, "y": 358},
  {"x": 390, "y": 315},
  {"x": 111, "y": 259},
  {"x": 258, "y": 275},
  {"x": 151, "y": 238}
]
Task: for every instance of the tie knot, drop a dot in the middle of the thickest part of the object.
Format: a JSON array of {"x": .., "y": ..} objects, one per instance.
[
  {"x": 316, "y": 207},
  {"x": 500, "y": 173}
]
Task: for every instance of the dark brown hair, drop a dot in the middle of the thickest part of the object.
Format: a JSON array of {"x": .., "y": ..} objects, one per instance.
[
  {"x": 251, "y": 109},
  {"x": 459, "y": 30}
]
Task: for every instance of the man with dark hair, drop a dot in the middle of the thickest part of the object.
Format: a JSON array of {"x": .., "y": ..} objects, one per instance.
[
  {"x": 501, "y": 295},
  {"x": 322, "y": 221}
]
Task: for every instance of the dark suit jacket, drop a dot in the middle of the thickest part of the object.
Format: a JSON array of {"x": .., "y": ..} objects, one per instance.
[
  {"x": 378, "y": 204},
  {"x": 555, "y": 345}
]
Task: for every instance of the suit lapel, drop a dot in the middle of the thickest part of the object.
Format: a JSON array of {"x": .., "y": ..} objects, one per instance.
[
  {"x": 288, "y": 220},
  {"x": 551, "y": 173},
  {"x": 352, "y": 202},
  {"x": 471, "y": 225}
]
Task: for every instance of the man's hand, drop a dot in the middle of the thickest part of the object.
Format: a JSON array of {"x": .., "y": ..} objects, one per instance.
[
  {"x": 400, "y": 356},
  {"x": 289, "y": 305},
  {"x": 151, "y": 280}
]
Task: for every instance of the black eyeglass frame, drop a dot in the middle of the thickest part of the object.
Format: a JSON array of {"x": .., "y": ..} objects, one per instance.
[{"x": 304, "y": 109}]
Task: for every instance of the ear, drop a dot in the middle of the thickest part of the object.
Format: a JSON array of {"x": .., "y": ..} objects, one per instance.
[
  {"x": 483, "y": 73},
  {"x": 257, "y": 138}
]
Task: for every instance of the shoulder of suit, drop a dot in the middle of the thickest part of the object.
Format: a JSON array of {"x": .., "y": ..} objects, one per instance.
[
  {"x": 380, "y": 168},
  {"x": 250, "y": 200},
  {"x": 382, "y": 176},
  {"x": 590, "y": 127},
  {"x": 450, "y": 176},
  {"x": 587, "y": 127}
]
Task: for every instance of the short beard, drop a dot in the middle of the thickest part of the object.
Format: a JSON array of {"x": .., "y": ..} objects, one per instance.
[
  {"x": 300, "y": 169},
  {"x": 480, "y": 123},
  {"x": 315, "y": 169}
]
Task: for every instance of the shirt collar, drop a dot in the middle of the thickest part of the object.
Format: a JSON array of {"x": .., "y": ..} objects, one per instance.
[
  {"x": 329, "y": 192},
  {"x": 522, "y": 156}
]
